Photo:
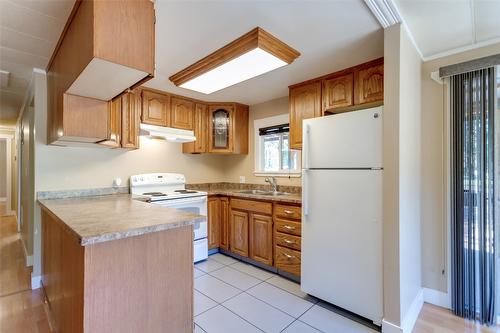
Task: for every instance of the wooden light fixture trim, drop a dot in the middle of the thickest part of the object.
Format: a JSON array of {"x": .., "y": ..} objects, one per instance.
[{"x": 257, "y": 38}]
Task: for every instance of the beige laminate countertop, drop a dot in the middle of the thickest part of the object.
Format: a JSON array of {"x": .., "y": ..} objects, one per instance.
[
  {"x": 287, "y": 198},
  {"x": 104, "y": 218}
]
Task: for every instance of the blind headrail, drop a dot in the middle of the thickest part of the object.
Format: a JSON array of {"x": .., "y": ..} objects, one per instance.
[{"x": 469, "y": 66}]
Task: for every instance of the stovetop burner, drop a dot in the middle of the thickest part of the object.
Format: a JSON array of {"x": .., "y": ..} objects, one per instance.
[
  {"x": 155, "y": 194},
  {"x": 185, "y": 191}
]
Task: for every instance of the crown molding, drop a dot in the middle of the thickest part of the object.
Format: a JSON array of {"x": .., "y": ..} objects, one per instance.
[{"x": 388, "y": 14}]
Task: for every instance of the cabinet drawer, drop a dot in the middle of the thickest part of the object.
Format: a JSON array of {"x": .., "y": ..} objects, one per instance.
[
  {"x": 289, "y": 212},
  {"x": 288, "y": 227},
  {"x": 292, "y": 242},
  {"x": 252, "y": 206},
  {"x": 287, "y": 260}
]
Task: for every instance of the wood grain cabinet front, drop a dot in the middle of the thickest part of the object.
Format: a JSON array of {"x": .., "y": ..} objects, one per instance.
[
  {"x": 200, "y": 131},
  {"x": 338, "y": 91},
  {"x": 370, "y": 84},
  {"x": 182, "y": 113},
  {"x": 130, "y": 119},
  {"x": 213, "y": 219},
  {"x": 155, "y": 108},
  {"x": 239, "y": 232},
  {"x": 305, "y": 103},
  {"x": 224, "y": 223},
  {"x": 261, "y": 238}
]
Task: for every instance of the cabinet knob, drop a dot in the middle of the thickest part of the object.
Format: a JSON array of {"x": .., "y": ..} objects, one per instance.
[
  {"x": 289, "y": 227},
  {"x": 288, "y": 212},
  {"x": 288, "y": 256},
  {"x": 288, "y": 241}
]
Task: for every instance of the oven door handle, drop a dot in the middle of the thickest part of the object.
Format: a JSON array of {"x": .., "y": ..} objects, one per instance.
[{"x": 182, "y": 201}]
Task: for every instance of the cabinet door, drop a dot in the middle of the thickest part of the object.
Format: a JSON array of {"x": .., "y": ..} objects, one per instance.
[
  {"x": 213, "y": 222},
  {"x": 338, "y": 92},
  {"x": 224, "y": 223},
  {"x": 239, "y": 232},
  {"x": 182, "y": 113},
  {"x": 370, "y": 84},
  {"x": 155, "y": 108},
  {"x": 114, "y": 123},
  {"x": 305, "y": 103},
  {"x": 200, "y": 131},
  {"x": 261, "y": 238},
  {"x": 131, "y": 113},
  {"x": 220, "y": 129}
]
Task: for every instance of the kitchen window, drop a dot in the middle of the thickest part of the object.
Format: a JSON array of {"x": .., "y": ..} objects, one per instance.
[{"x": 273, "y": 153}]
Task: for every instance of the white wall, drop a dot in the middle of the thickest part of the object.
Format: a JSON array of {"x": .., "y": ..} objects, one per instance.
[{"x": 402, "y": 151}]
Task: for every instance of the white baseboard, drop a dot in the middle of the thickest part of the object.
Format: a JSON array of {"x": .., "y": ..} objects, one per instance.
[
  {"x": 409, "y": 320},
  {"x": 388, "y": 327},
  {"x": 412, "y": 315},
  {"x": 437, "y": 297},
  {"x": 36, "y": 282},
  {"x": 28, "y": 259}
]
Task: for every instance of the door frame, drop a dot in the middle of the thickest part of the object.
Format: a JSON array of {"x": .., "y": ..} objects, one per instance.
[{"x": 8, "y": 184}]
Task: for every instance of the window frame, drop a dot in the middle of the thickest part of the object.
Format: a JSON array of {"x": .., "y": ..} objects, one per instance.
[{"x": 258, "y": 144}]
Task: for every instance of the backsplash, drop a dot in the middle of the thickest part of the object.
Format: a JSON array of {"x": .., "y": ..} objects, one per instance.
[{"x": 242, "y": 186}]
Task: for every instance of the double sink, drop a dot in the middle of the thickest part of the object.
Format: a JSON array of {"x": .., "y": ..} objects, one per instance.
[{"x": 261, "y": 192}]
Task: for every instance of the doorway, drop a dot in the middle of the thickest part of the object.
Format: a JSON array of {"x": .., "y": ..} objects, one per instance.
[{"x": 6, "y": 174}]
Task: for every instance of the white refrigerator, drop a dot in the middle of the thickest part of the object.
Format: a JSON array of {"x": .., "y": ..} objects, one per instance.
[{"x": 342, "y": 211}]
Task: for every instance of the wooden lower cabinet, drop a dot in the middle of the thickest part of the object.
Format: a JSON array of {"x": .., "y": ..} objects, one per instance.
[
  {"x": 287, "y": 260},
  {"x": 213, "y": 220},
  {"x": 135, "y": 284},
  {"x": 224, "y": 223},
  {"x": 261, "y": 238},
  {"x": 239, "y": 232}
]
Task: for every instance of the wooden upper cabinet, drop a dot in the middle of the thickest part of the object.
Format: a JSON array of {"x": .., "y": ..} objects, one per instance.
[
  {"x": 338, "y": 91},
  {"x": 370, "y": 84},
  {"x": 261, "y": 238},
  {"x": 224, "y": 223},
  {"x": 239, "y": 232},
  {"x": 200, "y": 131},
  {"x": 305, "y": 103},
  {"x": 114, "y": 124},
  {"x": 220, "y": 128},
  {"x": 155, "y": 108},
  {"x": 131, "y": 119},
  {"x": 100, "y": 54},
  {"x": 181, "y": 113},
  {"x": 228, "y": 128},
  {"x": 213, "y": 219}
]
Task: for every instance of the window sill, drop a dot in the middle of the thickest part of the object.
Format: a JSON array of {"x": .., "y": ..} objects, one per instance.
[{"x": 277, "y": 174}]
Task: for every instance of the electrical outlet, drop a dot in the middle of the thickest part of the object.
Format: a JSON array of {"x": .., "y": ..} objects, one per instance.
[{"x": 242, "y": 179}]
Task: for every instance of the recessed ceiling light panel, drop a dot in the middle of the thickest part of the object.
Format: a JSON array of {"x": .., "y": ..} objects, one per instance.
[{"x": 251, "y": 55}]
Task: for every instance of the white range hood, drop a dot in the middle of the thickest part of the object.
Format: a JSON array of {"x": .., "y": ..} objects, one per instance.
[{"x": 167, "y": 133}]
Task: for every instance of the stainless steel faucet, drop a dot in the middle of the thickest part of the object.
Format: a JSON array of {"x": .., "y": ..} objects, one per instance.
[{"x": 273, "y": 182}]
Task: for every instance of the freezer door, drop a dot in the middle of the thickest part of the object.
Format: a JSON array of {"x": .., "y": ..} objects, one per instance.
[
  {"x": 342, "y": 239},
  {"x": 345, "y": 140}
]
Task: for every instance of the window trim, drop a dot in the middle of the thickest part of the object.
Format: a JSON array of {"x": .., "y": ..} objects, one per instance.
[{"x": 268, "y": 122}]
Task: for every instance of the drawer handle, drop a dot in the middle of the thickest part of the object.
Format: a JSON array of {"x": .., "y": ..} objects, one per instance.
[
  {"x": 288, "y": 212},
  {"x": 288, "y": 227},
  {"x": 288, "y": 241},
  {"x": 288, "y": 256}
]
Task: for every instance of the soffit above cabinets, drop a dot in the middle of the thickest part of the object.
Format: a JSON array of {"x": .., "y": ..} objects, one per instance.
[
  {"x": 330, "y": 35},
  {"x": 29, "y": 31},
  {"x": 444, "y": 27}
]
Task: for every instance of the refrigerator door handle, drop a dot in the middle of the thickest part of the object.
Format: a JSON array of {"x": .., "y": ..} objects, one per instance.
[
  {"x": 305, "y": 193},
  {"x": 305, "y": 148}
]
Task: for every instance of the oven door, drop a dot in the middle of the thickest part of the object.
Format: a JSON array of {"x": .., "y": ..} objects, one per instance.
[{"x": 196, "y": 205}]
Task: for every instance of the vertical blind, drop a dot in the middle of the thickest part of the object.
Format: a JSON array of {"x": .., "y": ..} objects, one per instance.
[{"x": 472, "y": 195}]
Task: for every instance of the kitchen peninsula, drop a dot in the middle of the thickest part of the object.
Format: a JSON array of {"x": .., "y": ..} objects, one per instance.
[{"x": 107, "y": 258}]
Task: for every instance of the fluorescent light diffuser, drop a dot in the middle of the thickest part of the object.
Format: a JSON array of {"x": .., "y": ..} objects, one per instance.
[
  {"x": 251, "y": 55},
  {"x": 244, "y": 67}
]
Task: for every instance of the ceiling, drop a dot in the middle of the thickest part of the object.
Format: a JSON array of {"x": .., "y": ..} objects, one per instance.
[
  {"x": 29, "y": 30},
  {"x": 442, "y": 27},
  {"x": 330, "y": 35}
]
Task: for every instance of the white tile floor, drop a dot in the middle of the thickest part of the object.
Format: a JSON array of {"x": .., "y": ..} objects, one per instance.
[{"x": 233, "y": 297}]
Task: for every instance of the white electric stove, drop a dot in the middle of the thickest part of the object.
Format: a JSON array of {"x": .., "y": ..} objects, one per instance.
[{"x": 169, "y": 190}]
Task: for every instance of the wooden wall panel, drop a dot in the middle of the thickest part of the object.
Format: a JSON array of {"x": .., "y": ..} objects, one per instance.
[{"x": 134, "y": 279}]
